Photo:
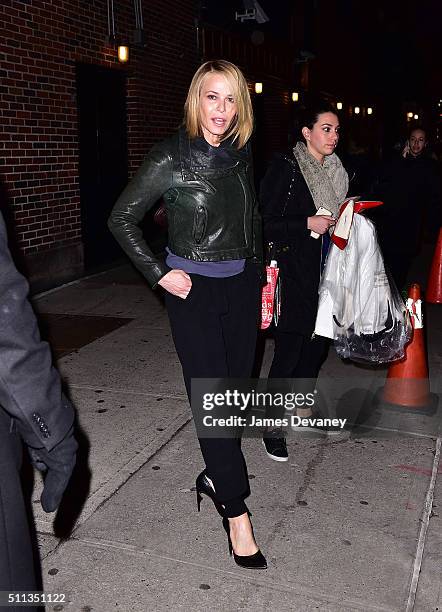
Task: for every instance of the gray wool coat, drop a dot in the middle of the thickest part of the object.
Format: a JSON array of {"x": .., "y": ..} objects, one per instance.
[
  {"x": 32, "y": 407},
  {"x": 30, "y": 387}
]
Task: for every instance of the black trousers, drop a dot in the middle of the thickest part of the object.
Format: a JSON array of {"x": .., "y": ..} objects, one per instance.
[
  {"x": 16, "y": 558},
  {"x": 297, "y": 357},
  {"x": 215, "y": 331}
]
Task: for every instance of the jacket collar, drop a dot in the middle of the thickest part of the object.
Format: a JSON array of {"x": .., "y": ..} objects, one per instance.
[{"x": 197, "y": 154}]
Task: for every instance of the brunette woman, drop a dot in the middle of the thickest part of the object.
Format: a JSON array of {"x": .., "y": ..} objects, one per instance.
[{"x": 293, "y": 190}]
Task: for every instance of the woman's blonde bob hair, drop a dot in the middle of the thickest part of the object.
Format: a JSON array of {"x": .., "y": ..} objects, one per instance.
[{"x": 242, "y": 126}]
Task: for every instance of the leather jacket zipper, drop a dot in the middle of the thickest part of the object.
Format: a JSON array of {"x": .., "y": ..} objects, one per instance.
[
  {"x": 246, "y": 205},
  {"x": 210, "y": 188},
  {"x": 200, "y": 223}
]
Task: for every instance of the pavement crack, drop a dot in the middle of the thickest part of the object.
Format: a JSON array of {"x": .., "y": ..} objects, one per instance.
[
  {"x": 310, "y": 471},
  {"x": 148, "y": 457},
  {"x": 424, "y": 520}
]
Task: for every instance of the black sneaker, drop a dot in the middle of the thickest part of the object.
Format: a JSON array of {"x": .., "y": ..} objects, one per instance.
[{"x": 275, "y": 445}]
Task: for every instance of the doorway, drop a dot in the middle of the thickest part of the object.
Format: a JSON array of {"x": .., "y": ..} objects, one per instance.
[{"x": 101, "y": 99}]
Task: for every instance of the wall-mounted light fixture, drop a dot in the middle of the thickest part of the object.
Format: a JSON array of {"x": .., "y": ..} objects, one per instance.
[
  {"x": 123, "y": 53},
  {"x": 258, "y": 88},
  {"x": 369, "y": 111},
  {"x": 410, "y": 115},
  {"x": 357, "y": 110},
  {"x": 121, "y": 43},
  {"x": 339, "y": 105},
  {"x": 295, "y": 96}
]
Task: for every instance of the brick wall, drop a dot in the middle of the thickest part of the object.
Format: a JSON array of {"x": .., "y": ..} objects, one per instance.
[
  {"x": 40, "y": 43},
  {"x": 272, "y": 64}
]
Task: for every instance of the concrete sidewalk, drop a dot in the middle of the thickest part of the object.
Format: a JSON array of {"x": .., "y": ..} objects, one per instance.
[{"x": 351, "y": 522}]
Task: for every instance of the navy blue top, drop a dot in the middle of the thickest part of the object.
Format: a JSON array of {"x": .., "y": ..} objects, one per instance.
[{"x": 215, "y": 269}]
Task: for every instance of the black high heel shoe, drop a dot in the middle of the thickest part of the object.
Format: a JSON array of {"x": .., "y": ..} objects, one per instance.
[
  {"x": 204, "y": 486},
  {"x": 255, "y": 561}
]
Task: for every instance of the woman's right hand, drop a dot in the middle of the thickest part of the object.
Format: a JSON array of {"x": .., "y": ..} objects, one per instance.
[
  {"x": 176, "y": 282},
  {"x": 320, "y": 223}
]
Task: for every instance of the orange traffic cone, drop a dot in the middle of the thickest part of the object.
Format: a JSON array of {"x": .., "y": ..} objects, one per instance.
[
  {"x": 407, "y": 381},
  {"x": 434, "y": 287}
]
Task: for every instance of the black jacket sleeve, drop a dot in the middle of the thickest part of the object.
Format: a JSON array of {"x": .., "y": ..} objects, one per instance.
[
  {"x": 30, "y": 387},
  {"x": 152, "y": 180},
  {"x": 277, "y": 198}
]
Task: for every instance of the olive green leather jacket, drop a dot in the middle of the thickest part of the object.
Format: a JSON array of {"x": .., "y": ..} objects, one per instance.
[{"x": 210, "y": 202}]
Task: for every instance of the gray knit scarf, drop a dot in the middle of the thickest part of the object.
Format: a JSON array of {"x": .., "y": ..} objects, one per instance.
[{"x": 327, "y": 182}]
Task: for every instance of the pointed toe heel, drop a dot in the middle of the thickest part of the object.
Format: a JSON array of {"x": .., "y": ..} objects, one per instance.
[
  {"x": 362, "y": 205},
  {"x": 255, "y": 561}
]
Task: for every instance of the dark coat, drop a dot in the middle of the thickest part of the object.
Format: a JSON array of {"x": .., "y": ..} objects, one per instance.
[
  {"x": 286, "y": 203},
  {"x": 30, "y": 387},
  {"x": 33, "y": 405}
]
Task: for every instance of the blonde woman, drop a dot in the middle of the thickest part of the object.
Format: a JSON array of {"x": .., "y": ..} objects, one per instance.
[{"x": 210, "y": 276}]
